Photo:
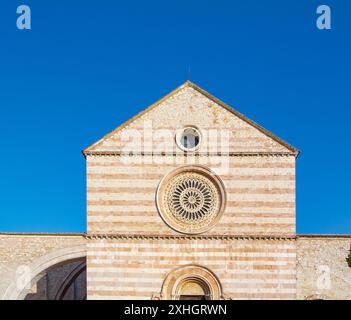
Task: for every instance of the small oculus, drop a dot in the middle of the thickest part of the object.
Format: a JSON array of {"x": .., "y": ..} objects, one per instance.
[{"x": 189, "y": 139}]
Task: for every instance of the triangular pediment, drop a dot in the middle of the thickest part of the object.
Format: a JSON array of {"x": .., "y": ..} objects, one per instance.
[{"x": 189, "y": 105}]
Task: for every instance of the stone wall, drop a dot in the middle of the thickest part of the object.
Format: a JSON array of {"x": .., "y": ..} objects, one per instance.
[
  {"x": 21, "y": 251},
  {"x": 322, "y": 270}
]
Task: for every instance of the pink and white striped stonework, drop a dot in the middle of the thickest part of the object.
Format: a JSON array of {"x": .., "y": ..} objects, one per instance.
[{"x": 251, "y": 249}]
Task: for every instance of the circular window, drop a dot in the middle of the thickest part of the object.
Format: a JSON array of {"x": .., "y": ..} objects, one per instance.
[
  {"x": 189, "y": 139},
  {"x": 190, "y": 199}
]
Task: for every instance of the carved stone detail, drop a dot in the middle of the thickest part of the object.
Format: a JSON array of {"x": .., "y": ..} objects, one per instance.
[{"x": 191, "y": 199}]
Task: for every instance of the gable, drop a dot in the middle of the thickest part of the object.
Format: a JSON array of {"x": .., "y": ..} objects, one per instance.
[{"x": 189, "y": 105}]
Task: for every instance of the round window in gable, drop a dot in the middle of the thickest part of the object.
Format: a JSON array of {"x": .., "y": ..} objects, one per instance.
[{"x": 189, "y": 139}]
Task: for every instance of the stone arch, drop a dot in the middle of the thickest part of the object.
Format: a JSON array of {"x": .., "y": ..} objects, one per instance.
[
  {"x": 200, "y": 275},
  {"x": 19, "y": 287}
]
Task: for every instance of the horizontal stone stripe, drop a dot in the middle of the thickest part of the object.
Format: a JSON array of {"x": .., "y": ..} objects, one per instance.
[
  {"x": 242, "y": 213},
  {"x": 247, "y": 262},
  {"x": 155, "y": 273},
  {"x": 147, "y": 190},
  {"x": 226, "y": 279},
  {"x": 147, "y": 183},
  {"x": 127, "y": 226},
  {"x": 226, "y": 222},
  {"x": 139, "y": 170},
  {"x": 227, "y": 229},
  {"x": 155, "y": 144},
  {"x": 151, "y": 159},
  {"x": 228, "y": 248},
  {"x": 128, "y": 290},
  {"x": 123, "y": 290},
  {"x": 151, "y": 203},
  {"x": 141, "y": 210},
  {"x": 137, "y": 183},
  {"x": 119, "y": 163},
  {"x": 165, "y": 244},
  {"x": 224, "y": 148},
  {"x": 259, "y": 204},
  {"x": 167, "y": 134},
  {"x": 186, "y": 244},
  {"x": 230, "y": 276},
  {"x": 142, "y": 274},
  {"x": 140, "y": 284},
  {"x": 143, "y": 285},
  {"x": 234, "y": 278},
  {"x": 257, "y": 265},
  {"x": 237, "y": 296},
  {"x": 158, "y": 177},
  {"x": 240, "y": 256},
  {"x": 153, "y": 209},
  {"x": 169, "y": 146},
  {"x": 182, "y": 248},
  {"x": 156, "y": 217},
  {"x": 151, "y": 197}
]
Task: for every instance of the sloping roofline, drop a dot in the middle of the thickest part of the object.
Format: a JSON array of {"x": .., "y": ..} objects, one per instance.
[{"x": 190, "y": 84}]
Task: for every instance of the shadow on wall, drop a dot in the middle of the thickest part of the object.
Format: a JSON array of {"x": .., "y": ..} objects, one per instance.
[{"x": 64, "y": 282}]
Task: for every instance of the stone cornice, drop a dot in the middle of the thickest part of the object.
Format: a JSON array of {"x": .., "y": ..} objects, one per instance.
[
  {"x": 197, "y": 154},
  {"x": 188, "y": 237}
]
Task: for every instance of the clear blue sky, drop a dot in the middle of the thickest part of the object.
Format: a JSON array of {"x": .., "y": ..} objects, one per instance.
[{"x": 87, "y": 66}]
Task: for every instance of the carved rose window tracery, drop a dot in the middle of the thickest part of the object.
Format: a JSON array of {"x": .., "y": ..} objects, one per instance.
[{"x": 190, "y": 200}]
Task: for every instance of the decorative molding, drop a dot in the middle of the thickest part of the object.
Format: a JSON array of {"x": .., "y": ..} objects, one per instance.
[
  {"x": 180, "y": 276},
  {"x": 95, "y": 236},
  {"x": 196, "y": 154}
]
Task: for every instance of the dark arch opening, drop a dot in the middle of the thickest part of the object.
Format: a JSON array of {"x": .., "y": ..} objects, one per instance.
[{"x": 65, "y": 281}]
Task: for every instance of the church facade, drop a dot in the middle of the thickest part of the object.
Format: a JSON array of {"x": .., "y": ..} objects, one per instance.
[{"x": 188, "y": 200}]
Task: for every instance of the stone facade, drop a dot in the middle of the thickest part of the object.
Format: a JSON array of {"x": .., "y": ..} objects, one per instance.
[
  {"x": 249, "y": 251},
  {"x": 135, "y": 268},
  {"x": 258, "y": 175}
]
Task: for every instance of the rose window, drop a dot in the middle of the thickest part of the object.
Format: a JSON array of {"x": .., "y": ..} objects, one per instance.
[{"x": 190, "y": 200}]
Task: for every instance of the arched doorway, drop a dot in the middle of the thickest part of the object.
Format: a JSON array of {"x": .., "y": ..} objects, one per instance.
[
  {"x": 193, "y": 289},
  {"x": 191, "y": 282}
]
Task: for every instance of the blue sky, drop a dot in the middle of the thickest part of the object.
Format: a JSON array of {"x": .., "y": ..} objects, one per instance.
[{"x": 87, "y": 66}]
